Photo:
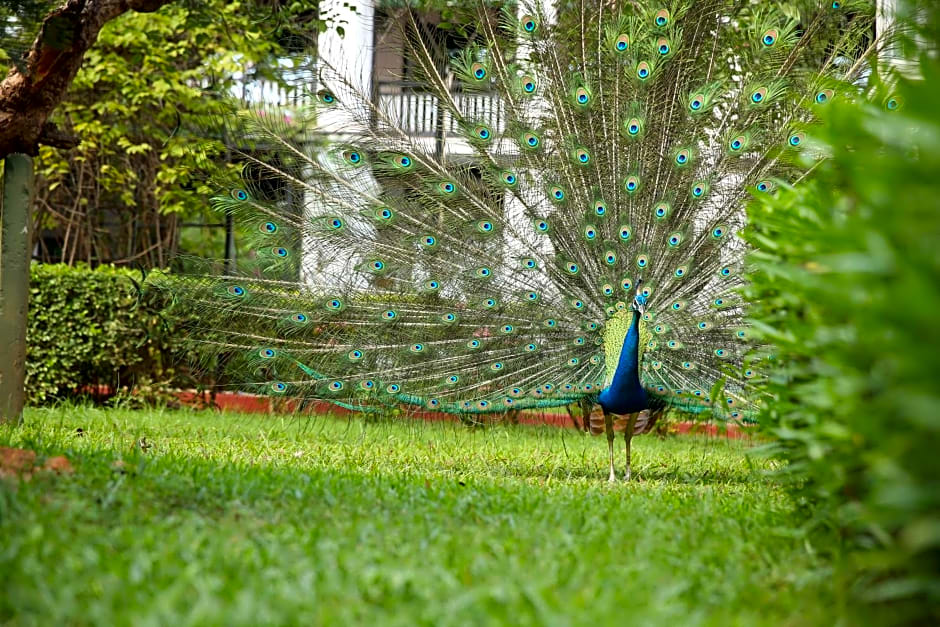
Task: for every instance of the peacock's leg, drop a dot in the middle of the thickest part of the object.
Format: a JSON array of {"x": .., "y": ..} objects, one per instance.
[
  {"x": 627, "y": 439},
  {"x": 609, "y": 428},
  {"x": 586, "y": 407}
]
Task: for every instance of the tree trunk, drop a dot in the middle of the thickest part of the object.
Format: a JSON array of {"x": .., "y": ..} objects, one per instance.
[
  {"x": 14, "y": 284},
  {"x": 28, "y": 98}
]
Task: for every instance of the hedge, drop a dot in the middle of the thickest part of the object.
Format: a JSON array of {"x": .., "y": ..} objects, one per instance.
[
  {"x": 848, "y": 294},
  {"x": 92, "y": 333}
]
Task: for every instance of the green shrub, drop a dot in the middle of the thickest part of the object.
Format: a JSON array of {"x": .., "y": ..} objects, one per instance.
[
  {"x": 848, "y": 293},
  {"x": 89, "y": 331}
]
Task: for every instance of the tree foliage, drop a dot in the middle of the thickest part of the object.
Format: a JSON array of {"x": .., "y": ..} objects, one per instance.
[{"x": 141, "y": 107}]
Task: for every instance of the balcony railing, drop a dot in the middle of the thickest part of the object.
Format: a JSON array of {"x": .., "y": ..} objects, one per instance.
[
  {"x": 413, "y": 110},
  {"x": 420, "y": 114}
]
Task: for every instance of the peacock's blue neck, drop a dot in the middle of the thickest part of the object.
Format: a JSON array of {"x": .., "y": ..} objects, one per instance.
[{"x": 625, "y": 395}]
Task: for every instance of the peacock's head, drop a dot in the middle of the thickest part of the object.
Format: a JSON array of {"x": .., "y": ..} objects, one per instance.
[{"x": 639, "y": 304}]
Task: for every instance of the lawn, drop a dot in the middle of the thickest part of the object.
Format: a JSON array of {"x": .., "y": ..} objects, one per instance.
[{"x": 233, "y": 519}]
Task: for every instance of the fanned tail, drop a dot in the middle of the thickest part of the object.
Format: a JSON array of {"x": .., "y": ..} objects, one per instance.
[{"x": 495, "y": 272}]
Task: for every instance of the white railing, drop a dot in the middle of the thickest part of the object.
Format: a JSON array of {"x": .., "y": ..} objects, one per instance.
[
  {"x": 415, "y": 111},
  {"x": 420, "y": 113}
]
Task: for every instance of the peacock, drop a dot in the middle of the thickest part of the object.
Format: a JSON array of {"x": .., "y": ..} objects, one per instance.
[{"x": 574, "y": 244}]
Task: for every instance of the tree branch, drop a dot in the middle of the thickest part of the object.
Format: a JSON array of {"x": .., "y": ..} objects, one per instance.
[{"x": 28, "y": 98}]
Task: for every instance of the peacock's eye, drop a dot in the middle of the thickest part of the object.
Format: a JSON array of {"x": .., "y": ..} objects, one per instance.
[
  {"x": 643, "y": 70},
  {"x": 239, "y": 194},
  {"x": 765, "y": 186},
  {"x": 531, "y": 140},
  {"x": 479, "y": 71},
  {"x": 769, "y": 37},
  {"x": 796, "y": 139},
  {"x": 622, "y": 43},
  {"x": 824, "y": 96},
  {"x": 582, "y": 96}
]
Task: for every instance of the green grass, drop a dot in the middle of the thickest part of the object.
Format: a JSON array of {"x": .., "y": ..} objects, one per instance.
[{"x": 233, "y": 519}]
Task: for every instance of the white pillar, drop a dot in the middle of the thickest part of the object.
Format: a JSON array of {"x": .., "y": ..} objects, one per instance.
[{"x": 351, "y": 56}]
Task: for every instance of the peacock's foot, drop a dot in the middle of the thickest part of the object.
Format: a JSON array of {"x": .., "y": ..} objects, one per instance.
[{"x": 612, "y": 478}]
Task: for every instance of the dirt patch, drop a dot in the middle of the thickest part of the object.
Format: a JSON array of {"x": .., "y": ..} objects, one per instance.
[{"x": 21, "y": 463}]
